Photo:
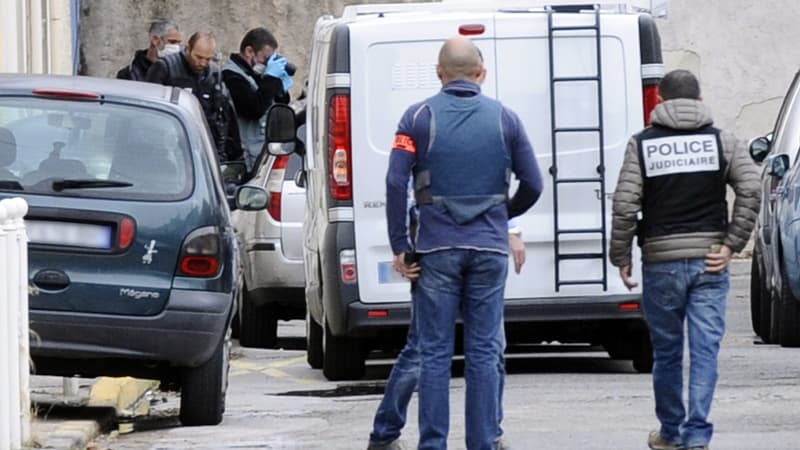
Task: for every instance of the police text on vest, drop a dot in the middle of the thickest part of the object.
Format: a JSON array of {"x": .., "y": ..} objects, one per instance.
[{"x": 680, "y": 154}]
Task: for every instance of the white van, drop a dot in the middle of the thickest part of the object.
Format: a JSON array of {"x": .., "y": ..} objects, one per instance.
[{"x": 577, "y": 75}]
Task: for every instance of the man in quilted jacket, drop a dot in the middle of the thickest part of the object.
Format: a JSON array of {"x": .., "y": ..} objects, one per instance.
[{"x": 671, "y": 195}]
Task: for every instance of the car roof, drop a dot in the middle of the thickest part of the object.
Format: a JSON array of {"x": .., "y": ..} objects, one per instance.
[{"x": 106, "y": 87}]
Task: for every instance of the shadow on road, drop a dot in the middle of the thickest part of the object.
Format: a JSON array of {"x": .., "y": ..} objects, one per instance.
[
  {"x": 292, "y": 343},
  {"x": 561, "y": 359}
]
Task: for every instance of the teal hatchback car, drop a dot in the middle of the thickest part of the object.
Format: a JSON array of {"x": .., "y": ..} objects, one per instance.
[{"x": 134, "y": 267}]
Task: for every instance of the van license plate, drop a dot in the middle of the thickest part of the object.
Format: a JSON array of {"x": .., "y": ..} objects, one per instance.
[
  {"x": 387, "y": 274},
  {"x": 68, "y": 233}
]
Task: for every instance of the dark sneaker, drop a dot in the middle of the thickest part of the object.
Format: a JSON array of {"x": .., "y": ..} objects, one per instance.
[
  {"x": 656, "y": 442},
  {"x": 396, "y": 444},
  {"x": 501, "y": 444}
]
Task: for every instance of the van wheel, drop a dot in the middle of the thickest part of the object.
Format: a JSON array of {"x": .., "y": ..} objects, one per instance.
[
  {"x": 313, "y": 342},
  {"x": 643, "y": 354},
  {"x": 618, "y": 348},
  {"x": 258, "y": 324},
  {"x": 755, "y": 295},
  {"x": 789, "y": 312},
  {"x": 343, "y": 357},
  {"x": 203, "y": 388}
]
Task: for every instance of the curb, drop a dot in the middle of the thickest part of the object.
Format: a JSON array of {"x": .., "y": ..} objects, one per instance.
[
  {"x": 125, "y": 396},
  {"x": 67, "y": 435}
]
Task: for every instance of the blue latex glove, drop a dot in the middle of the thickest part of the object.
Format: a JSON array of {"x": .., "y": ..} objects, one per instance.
[
  {"x": 276, "y": 66},
  {"x": 287, "y": 81}
]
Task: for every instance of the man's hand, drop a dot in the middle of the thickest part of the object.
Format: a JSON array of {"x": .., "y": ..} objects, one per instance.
[
  {"x": 276, "y": 66},
  {"x": 411, "y": 273},
  {"x": 625, "y": 274},
  {"x": 517, "y": 246},
  {"x": 718, "y": 261},
  {"x": 286, "y": 81}
]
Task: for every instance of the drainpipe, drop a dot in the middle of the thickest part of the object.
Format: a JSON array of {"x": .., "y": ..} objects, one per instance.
[{"x": 76, "y": 35}]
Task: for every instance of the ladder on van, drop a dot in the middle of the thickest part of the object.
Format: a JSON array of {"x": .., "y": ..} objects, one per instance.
[{"x": 599, "y": 180}]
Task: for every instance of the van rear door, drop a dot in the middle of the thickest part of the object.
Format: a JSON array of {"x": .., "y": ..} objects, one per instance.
[
  {"x": 396, "y": 68},
  {"x": 522, "y": 72}
]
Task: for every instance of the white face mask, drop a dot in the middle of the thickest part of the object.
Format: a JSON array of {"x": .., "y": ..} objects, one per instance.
[
  {"x": 168, "y": 50},
  {"x": 259, "y": 68}
]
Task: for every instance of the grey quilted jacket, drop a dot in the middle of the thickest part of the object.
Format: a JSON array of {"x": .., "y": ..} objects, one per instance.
[{"x": 741, "y": 174}]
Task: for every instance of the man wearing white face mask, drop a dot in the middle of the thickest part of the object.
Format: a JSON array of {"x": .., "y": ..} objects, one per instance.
[
  {"x": 256, "y": 77},
  {"x": 165, "y": 39}
]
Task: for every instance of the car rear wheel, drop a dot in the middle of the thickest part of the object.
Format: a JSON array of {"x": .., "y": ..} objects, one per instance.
[
  {"x": 258, "y": 325},
  {"x": 203, "y": 388},
  {"x": 343, "y": 357},
  {"x": 774, "y": 331},
  {"x": 313, "y": 343},
  {"x": 235, "y": 326},
  {"x": 789, "y": 311},
  {"x": 765, "y": 316},
  {"x": 755, "y": 295}
]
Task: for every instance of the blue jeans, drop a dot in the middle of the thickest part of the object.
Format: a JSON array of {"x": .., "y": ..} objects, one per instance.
[
  {"x": 472, "y": 283},
  {"x": 675, "y": 292},
  {"x": 390, "y": 418}
]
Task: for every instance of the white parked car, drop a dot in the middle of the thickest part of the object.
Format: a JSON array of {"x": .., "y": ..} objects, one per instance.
[{"x": 273, "y": 247}]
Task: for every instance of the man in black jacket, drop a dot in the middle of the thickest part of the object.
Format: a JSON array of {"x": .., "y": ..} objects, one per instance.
[
  {"x": 194, "y": 68},
  {"x": 256, "y": 78},
  {"x": 165, "y": 39}
]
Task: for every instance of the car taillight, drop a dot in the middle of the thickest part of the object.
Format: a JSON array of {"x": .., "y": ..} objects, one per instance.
[
  {"x": 339, "y": 147},
  {"x": 127, "y": 230},
  {"x": 650, "y": 100},
  {"x": 275, "y": 186},
  {"x": 200, "y": 253},
  {"x": 347, "y": 266}
]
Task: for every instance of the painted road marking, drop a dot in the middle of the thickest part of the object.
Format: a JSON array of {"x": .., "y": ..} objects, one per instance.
[{"x": 272, "y": 369}]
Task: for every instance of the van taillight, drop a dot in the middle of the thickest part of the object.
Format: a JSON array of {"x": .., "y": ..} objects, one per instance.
[
  {"x": 347, "y": 266},
  {"x": 275, "y": 185},
  {"x": 650, "y": 100},
  {"x": 471, "y": 29},
  {"x": 200, "y": 253},
  {"x": 339, "y": 148}
]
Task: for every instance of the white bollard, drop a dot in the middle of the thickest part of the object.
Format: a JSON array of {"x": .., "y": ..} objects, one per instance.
[
  {"x": 8, "y": 325},
  {"x": 14, "y": 349},
  {"x": 13, "y": 270},
  {"x": 24, "y": 325}
]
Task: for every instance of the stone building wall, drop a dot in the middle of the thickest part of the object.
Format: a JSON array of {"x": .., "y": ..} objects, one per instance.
[{"x": 744, "y": 52}]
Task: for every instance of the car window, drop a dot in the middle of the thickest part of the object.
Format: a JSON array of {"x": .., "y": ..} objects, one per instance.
[
  {"x": 47, "y": 140},
  {"x": 295, "y": 164},
  {"x": 786, "y": 138}
]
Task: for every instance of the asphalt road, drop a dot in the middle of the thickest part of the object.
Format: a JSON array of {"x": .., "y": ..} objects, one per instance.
[{"x": 577, "y": 399}]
